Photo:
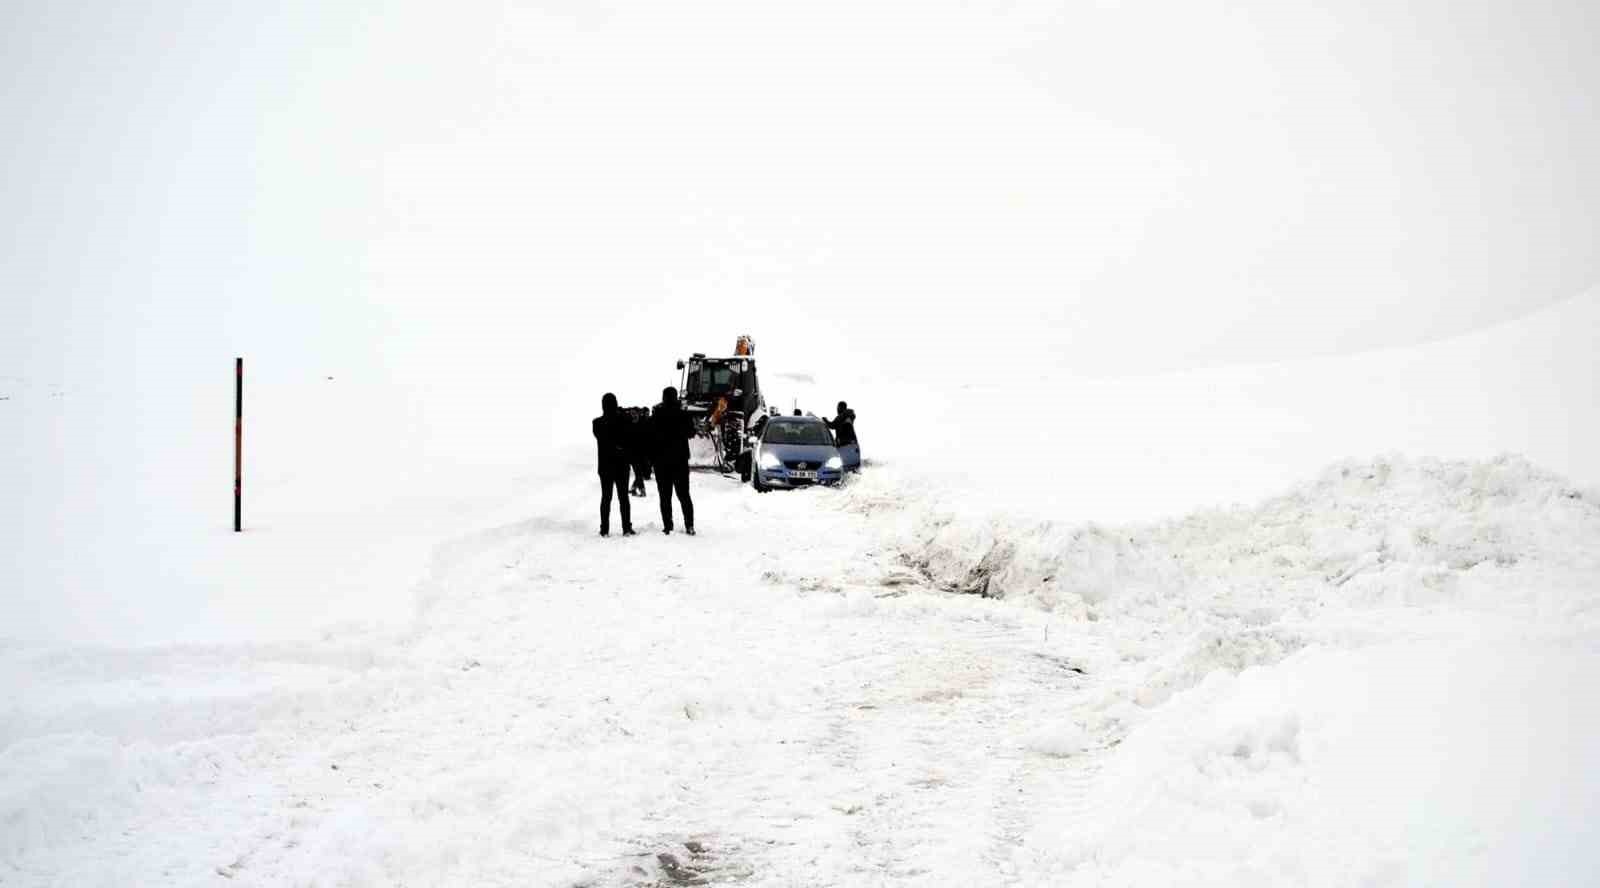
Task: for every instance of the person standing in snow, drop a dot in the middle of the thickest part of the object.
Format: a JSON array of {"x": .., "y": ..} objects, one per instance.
[
  {"x": 611, "y": 444},
  {"x": 843, "y": 425},
  {"x": 672, "y": 430}
]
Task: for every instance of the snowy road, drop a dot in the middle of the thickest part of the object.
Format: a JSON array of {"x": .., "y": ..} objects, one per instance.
[
  {"x": 757, "y": 690},
  {"x": 572, "y": 709},
  {"x": 786, "y": 699}
]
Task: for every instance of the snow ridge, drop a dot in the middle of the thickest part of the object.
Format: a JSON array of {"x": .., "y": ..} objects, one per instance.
[
  {"x": 1389, "y": 530},
  {"x": 1248, "y": 664}
]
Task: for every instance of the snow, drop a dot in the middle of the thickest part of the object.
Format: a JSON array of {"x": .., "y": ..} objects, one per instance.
[
  {"x": 125, "y": 525},
  {"x": 1354, "y": 652},
  {"x": 1381, "y": 677},
  {"x": 1424, "y": 762},
  {"x": 1225, "y": 376},
  {"x": 1138, "y": 448}
]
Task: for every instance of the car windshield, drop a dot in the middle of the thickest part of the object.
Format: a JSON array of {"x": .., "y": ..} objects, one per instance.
[{"x": 792, "y": 432}]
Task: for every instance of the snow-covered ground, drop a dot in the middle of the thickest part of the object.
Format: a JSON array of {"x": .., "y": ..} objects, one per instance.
[
  {"x": 1057, "y": 663},
  {"x": 1385, "y": 676}
]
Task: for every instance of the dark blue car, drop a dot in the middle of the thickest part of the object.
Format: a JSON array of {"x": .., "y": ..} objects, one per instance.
[{"x": 795, "y": 451}]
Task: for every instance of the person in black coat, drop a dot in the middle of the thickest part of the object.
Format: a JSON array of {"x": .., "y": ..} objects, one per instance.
[
  {"x": 673, "y": 429},
  {"x": 843, "y": 425},
  {"x": 611, "y": 444}
]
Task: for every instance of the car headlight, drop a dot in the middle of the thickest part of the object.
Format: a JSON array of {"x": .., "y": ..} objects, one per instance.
[
  {"x": 769, "y": 460},
  {"x": 834, "y": 462}
]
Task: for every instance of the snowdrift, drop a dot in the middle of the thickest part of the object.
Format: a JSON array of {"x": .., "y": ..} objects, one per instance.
[
  {"x": 1386, "y": 675},
  {"x": 1327, "y": 562},
  {"x": 1391, "y": 530}
]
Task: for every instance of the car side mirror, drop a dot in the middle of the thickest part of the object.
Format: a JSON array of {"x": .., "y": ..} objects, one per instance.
[{"x": 680, "y": 365}]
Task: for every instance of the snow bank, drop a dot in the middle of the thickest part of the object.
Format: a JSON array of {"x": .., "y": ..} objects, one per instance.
[
  {"x": 1326, "y": 563},
  {"x": 1392, "y": 531},
  {"x": 1383, "y": 676}
]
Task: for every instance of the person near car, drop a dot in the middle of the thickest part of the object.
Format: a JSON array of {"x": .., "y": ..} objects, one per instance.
[
  {"x": 611, "y": 444},
  {"x": 639, "y": 446},
  {"x": 672, "y": 430},
  {"x": 756, "y": 430},
  {"x": 843, "y": 425}
]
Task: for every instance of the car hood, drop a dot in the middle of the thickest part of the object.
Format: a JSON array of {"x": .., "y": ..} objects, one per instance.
[{"x": 811, "y": 453}]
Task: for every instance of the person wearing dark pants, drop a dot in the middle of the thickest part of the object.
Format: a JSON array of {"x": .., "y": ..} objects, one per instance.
[
  {"x": 611, "y": 444},
  {"x": 641, "y": 474},
  {"x": 618, "y": 484},
  {"x": 639, "y": 444},
  {"x": 672, "y": 430},
  {"x": 678, "y": 483}
]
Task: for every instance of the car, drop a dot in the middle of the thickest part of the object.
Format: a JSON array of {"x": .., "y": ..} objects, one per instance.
[{"x": 795, "y": 451}]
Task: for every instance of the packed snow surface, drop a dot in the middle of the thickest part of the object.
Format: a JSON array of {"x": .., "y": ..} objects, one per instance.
[{"x": 1385, "y": 675}]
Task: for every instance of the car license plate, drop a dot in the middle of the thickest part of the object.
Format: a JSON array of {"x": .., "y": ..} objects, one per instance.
[{"x": 802, "y": 474}]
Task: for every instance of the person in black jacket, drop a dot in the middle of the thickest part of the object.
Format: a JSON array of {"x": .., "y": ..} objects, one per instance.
[
  {"x": 611, "y": 443},
  {"x": 843, "y": 425},
  {"x": 673, "y": 429},
  {"x": 844, "y": 437}
]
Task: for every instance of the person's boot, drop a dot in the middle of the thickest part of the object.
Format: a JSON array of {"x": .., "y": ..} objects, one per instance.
[
  {"x": 605, "y": 532},
  {"x": 627, "y": 532}
]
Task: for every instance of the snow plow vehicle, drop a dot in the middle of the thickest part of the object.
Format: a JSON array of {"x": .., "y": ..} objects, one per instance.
[{"x": 723, "y": 398}]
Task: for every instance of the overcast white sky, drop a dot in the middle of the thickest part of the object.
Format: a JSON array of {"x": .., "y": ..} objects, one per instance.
[{"x": 504, "y": 188}]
